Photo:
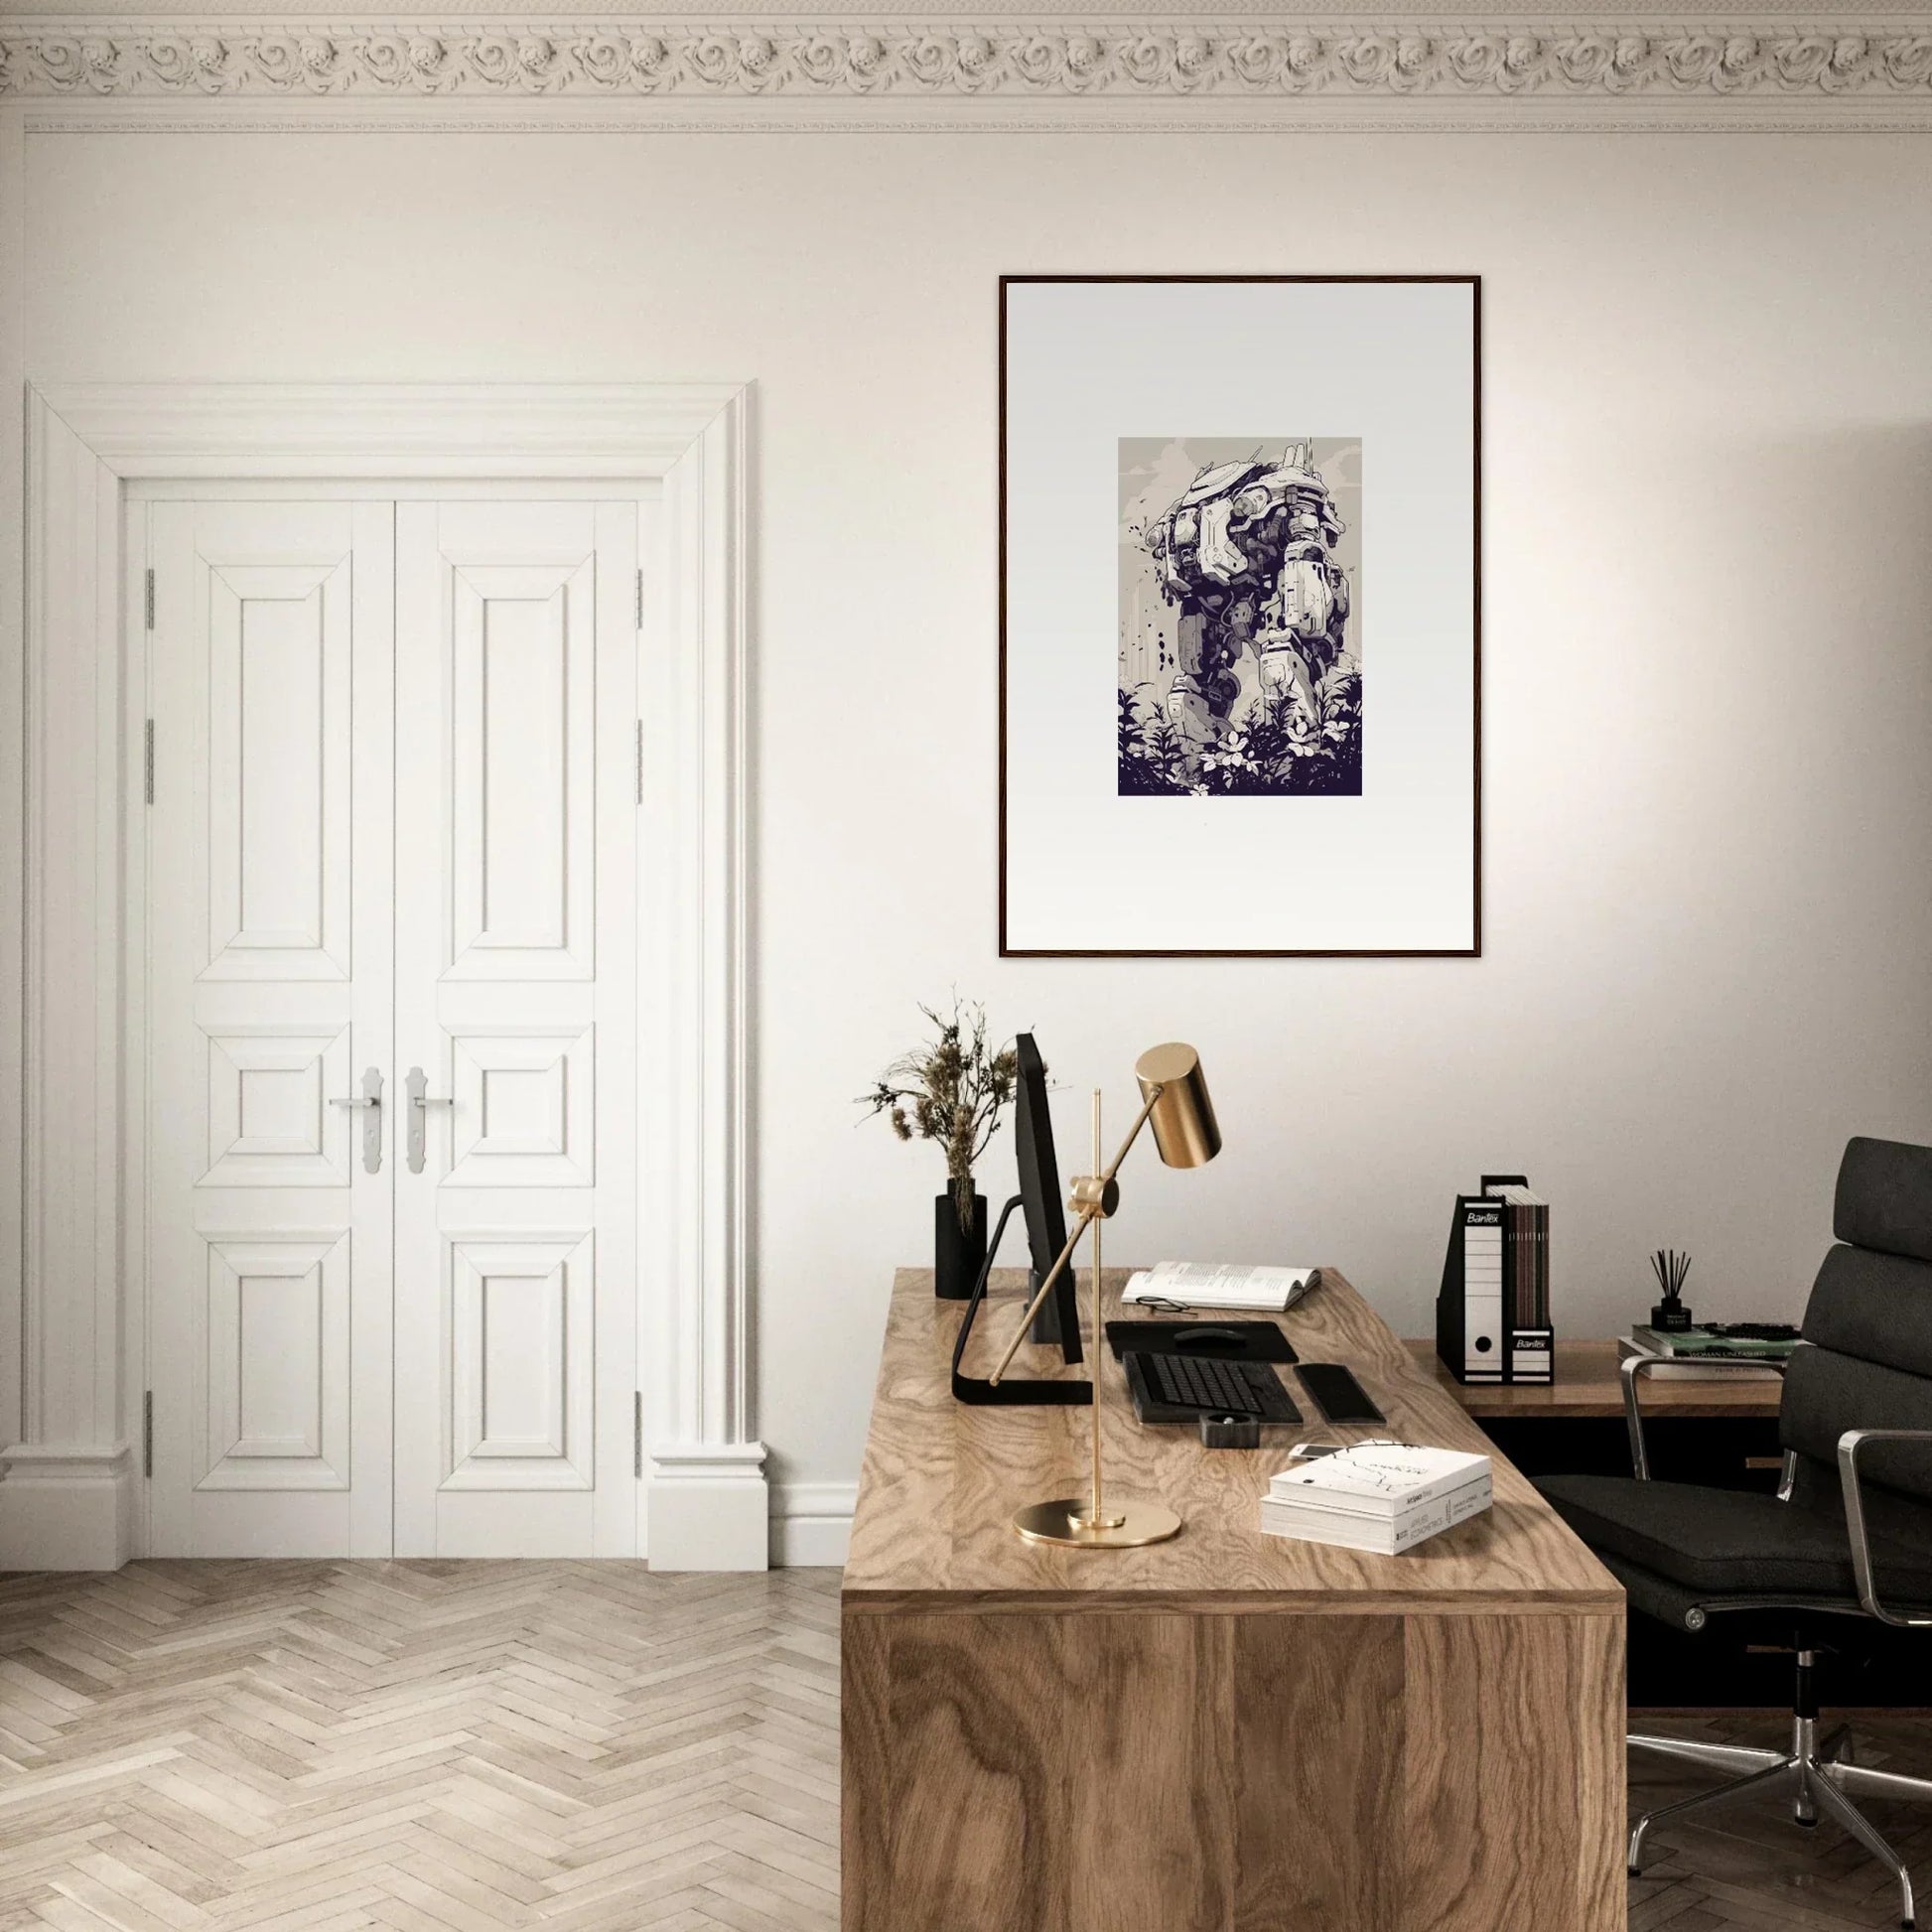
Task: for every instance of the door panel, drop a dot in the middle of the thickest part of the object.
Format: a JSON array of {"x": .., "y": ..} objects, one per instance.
[
  {"x": 520, "y": 1362},
  {"x": 520, "y": 811},
  {"x": 278, "y": 1400},
  {"x": 269, "y": 992},
  {"x": 524, "y": 1108},
  {"x": 516, "y": 987},
  {"x": 278, "y": 777},
  {"x": 270, "y": 1123}
]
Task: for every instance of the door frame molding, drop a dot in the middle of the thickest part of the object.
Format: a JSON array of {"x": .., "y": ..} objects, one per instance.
[{"x": 71, "y": 1396}]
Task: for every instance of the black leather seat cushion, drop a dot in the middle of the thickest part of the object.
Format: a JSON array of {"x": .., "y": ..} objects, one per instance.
[{"x": 1729, "y": 1542}]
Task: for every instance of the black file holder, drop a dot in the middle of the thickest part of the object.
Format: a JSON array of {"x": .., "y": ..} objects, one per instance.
[{"x": 1511, "y": 1354}]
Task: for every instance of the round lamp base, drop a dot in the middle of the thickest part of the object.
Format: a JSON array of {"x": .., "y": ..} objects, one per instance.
[{"x": 1129, "y": 1525}]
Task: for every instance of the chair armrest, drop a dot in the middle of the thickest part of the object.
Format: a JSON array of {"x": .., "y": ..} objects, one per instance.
[
  {"x": 1848, "y": 1446},
  {"x": 1634, "y": 1367}
]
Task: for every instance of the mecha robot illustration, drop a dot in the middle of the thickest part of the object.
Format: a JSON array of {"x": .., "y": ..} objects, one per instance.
[{"x": 1247, "y": 554}]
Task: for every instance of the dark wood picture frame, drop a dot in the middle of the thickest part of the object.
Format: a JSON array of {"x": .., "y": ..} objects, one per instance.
[{"x": 1474, "y": 949}]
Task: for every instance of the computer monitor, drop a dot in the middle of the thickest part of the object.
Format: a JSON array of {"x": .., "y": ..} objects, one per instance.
[
  {"x": 1038, "y": 1199},
  {"x": 1040, "y": 1194}
]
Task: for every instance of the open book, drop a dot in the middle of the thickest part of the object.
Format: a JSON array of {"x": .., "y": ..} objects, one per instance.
[{"x": 1212, "y": 1285}]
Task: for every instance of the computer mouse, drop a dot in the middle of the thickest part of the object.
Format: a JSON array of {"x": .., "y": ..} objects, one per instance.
[{"x": 1208, "y": 1337}]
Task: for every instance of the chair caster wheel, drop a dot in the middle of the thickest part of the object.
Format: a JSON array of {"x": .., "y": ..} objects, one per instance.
[
  {"x": 1810, "y": 1824},
  {"x": 1633, "y": 1872}
]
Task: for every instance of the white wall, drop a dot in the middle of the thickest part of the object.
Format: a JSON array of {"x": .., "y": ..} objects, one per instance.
[{"x": 1708, "y": 647}]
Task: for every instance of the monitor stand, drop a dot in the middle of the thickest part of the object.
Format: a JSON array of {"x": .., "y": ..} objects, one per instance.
[
  {"x": 1047, "y": 1324},
  {"x": 1011, "y": 1391},
  {"x": 1057, "y": 1325}
]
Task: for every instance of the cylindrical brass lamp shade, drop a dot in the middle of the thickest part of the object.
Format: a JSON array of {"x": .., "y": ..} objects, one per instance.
[{"x": 1182, "y": 1117}]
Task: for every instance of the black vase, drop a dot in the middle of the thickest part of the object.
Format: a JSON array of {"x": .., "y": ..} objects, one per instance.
[{"x": 957, "y": 1256}]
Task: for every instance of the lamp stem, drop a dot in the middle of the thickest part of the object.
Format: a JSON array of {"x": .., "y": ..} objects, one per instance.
[{"x": 1099, "y": 1339}]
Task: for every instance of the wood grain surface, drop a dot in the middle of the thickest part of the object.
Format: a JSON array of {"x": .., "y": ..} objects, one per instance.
[
  {"x": 1320, "y": 1721},
  {"x": 941, "y": 1480},
  {"x": 1145, "y": 1772},
  {"x": 1513, "y": 1775},
  {"x": 1588, "y": 1386}
]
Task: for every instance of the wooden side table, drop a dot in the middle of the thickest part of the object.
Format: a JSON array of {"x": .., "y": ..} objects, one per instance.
[{"x": 1587, "y": 1386}]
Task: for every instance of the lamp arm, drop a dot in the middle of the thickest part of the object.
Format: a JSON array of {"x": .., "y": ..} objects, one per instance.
[
  {"x": 1088, "y": 1215},
  {"x": 1133, "y": 1134}
]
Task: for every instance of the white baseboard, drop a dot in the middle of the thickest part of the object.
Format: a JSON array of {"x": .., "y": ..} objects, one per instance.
[
  {"x": 66, "y": 1507},
  {"x": 73, "y": 1509},
  {"x": 707, "y": 1507},
  {"x": 812, "y": 1524}
]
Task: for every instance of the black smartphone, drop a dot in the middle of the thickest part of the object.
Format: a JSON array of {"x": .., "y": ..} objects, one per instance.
[{"x": 1338, "y": 1394}]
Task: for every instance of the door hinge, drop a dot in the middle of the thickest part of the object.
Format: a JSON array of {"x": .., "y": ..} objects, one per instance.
[
  {"x": 150, "y": 600},
  {"x": 147, "y": 1434},
  {"x": 640, "y": 761},
  {"x": 638, "y": 1433},
  {"x": 147, "y": 762},
  {"x": 641, "y": 599}
]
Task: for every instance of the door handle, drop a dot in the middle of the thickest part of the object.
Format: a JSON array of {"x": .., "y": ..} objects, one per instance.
[
  {"x": 370, "y": 1099},
  {"x": 421, "y": 1100}
]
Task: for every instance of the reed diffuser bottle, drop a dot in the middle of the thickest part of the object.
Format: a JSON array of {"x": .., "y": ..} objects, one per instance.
[{"x": 1670, "y": 1316}]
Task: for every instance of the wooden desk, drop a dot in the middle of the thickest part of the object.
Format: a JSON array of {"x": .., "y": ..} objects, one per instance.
[
  {"x": 1227, "y": 1733},
  {"x": 1587, "y": 1386}
]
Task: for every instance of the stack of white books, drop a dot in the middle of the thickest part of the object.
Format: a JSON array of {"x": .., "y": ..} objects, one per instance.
[{"x": 1380, "y": 1496}]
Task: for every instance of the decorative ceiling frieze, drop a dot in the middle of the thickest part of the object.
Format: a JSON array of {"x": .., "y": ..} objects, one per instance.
[{"x": 1760, "y": 67}]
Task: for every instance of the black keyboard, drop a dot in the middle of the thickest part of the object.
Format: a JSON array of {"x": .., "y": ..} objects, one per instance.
[{"x": 1208, "y": 1387}]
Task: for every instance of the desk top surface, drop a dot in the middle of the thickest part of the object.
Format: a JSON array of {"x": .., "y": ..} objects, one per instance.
[
  {"x": 1588, "y": 1384},
  {"x": 941, "y": 1479}
]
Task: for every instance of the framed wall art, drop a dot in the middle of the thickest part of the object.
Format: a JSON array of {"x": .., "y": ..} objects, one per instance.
[{"x": 1240, "y": 614}]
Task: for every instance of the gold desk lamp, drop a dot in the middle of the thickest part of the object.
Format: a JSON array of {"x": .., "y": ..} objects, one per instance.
[{"x": 1175, "y": 1099}]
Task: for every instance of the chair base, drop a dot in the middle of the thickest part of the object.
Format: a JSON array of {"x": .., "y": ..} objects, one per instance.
[{"x": 1819, "y": 1774}]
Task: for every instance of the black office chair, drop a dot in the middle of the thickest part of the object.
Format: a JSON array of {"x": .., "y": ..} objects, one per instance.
[{"x": 1846, "y": 1540}]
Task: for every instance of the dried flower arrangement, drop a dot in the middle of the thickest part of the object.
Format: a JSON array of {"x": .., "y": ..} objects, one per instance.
[{"x": 951, "y": 1090}]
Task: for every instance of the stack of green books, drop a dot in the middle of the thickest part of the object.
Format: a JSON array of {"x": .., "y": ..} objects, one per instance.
[
  {"x": 1694, "y": 1354},
  {"x": 1719, "y": 1343}
]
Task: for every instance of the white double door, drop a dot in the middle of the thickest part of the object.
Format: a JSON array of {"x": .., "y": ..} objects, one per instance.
[{"x": 390, "y": 859}]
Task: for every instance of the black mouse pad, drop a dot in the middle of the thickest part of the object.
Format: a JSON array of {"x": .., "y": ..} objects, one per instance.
[{"x": 1223, "y": 1341}]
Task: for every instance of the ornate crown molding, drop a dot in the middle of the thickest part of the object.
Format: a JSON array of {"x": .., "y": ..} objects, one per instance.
[{"x": 1736, "y": 66}]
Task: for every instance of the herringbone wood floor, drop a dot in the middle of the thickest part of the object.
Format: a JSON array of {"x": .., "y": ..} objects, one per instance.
[
  {"x": 312, "y": 1746},
  {"x": 461, "y": 1747},
  {"x": 1747, "y": 1865}
]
